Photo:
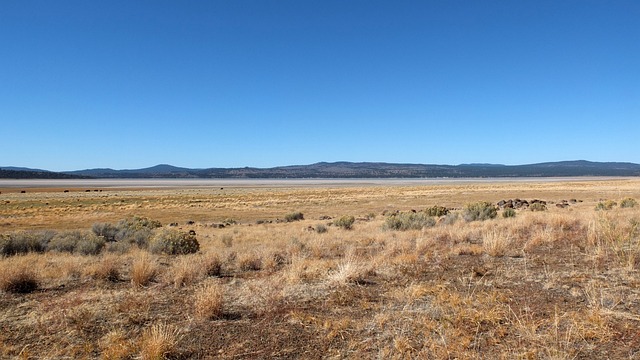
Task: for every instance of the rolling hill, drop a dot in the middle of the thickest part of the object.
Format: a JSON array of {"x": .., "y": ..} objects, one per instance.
[{"x": 378, "y": 170}]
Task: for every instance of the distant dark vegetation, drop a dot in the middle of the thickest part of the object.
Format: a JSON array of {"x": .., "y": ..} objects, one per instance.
[
  {"x": 345, "y": 170},
  {"x": 22, "y": 174}
]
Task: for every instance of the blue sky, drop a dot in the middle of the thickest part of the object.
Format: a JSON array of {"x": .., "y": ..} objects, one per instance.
[{"x": 130, "y": 84}]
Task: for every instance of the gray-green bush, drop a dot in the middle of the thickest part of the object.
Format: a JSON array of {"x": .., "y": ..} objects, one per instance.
[
  {"x": 345, "y": 222},
  {"x": 479, "y": 211},
  {"x": 606, "y": 205},
  {"x": 538, "y": 207},
  {"x": 82, "y": 242},
  {"x": 105, "y": 230},
  {"x": 294, "y": 216},
  {"x": 133, "y": 230},
  {"x": 450, "y": 218},
  {"x": 23, "y": 242},
  {"x": 409, "y": 221},
  {"x": 437, "y": 210},
  {"x": 174, "y": 242},
  {"x": 628, "y": 203},
  {"x": 508, "y": 213}
]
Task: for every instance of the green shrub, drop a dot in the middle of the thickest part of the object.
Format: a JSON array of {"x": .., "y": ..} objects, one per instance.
[
  {"x": 294, "y": 216},
  {"x": 345, "y": 222},
  {"x": 479, "y": 211},
  {"x": 607, "y": 205},
  {"x": 409, "y": 221},
  {"x": 321, "y": 229},
  {"x": 82, "y": 242},
  {"x": 174, "y": 242},
  {"x": 437, "y": 211},
  {"x": 628, "y": 203},
  {"x": 508, "y": 213}
]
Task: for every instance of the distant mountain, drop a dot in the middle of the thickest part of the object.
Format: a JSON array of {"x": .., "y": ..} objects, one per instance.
[
  {"x": 10, "y": 173},
  {"x": 158, "y": 171},
  {"x": 16, "y": 168},
  {"x": 378, "y": 170}
]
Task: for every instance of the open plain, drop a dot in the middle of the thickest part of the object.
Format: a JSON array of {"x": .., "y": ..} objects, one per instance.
[{"x": 321, "y": 269}]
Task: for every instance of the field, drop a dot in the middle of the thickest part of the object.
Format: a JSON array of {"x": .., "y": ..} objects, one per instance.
[{"x": 351, "y": 270}]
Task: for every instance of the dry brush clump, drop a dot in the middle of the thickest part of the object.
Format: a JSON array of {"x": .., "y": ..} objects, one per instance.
[
  {"x": 17, "y": 275},
  {"x": 208, "y": 301},
  {"x": 212, "y": 265},
  {"x": 116, "y": 345},
  {"x": 144, "y": 270},
  {"x": 107, "y": 268},
  {"x": 351, "y": 271},
  {"x": 249, "y": 261},
  {"x": 186, "y": 271},
  {"x": 616, "y": 238},
  {"x": 496, "y": 242},
  {"x": 159, "y": 342}
]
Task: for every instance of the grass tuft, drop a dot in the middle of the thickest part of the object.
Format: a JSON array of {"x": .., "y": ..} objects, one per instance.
[
  {"x": 208, "y": 301},
  {"x": 18, "y": 277},
  {"x": 144, "y": 270},
  {"x": 159, "y": 342}
]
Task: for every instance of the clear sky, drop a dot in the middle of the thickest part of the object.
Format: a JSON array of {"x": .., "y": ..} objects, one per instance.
[{"x": 202, "y": 83}]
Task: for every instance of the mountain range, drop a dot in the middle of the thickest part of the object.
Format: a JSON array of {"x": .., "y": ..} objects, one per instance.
[{"x": 346, "y": 170}]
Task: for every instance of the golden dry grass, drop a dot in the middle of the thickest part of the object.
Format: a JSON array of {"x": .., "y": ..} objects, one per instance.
[
  {"x": 159, "y": 341},
  {"x": 144, "y": 270},
  {"x": 555, "y": 284},
  {"x": 17, "y": 275},
  {"x": 208, "y": 301}
]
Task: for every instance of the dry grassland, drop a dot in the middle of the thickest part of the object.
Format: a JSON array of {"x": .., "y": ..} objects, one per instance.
[{"x": 556, "y": 284}]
